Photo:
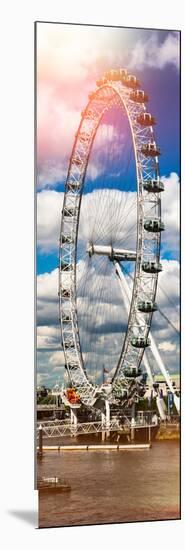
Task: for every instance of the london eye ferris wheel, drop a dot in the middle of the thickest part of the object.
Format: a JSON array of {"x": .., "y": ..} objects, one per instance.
[{"x": 110, "y": 242}]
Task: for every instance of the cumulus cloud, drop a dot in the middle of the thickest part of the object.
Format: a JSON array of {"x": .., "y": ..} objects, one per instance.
[
  {"x": 42, "y": 378},
  {"x": 57, "y": 127},
  {"x": 167, "y": 299},
  {"x": 153, "y": 53},
  {"x": 167, "y": 346},
  {"x": 68, "y": 54},
  {"x": 48, "y": 337},
  {"x": 48, "y": 371},
  {"x": 57, "y": 358},
  {"x": 47, "y": 299},
  {"x": 49, "y": 206},
  {"x": 50, "y": 173},
  {"x": 171, "y": 215}
]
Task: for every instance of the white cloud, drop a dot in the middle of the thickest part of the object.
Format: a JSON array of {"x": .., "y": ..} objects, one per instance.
[
  {"x": 48, "y": 370},
  {"x": 57, "y": 126},
  {"x": 171, "y": 214},
  {"x": 166, "y": 346},
  {"x": 153, "y": 53},
  {"x": 47, "y": 299},
  {"x": 47, "y": 285},
  {"x": 77, "y": 54},
  {"x": 42, "y": 378},
  {"x": 49, "y": 206},
  {"x": 51, "y": 173},
  {"x": 167, "y": 299},
  {"x": 169, "y": 283},
  {"x": 57, "y": 358},
  {"x": 48, "y": 337}
]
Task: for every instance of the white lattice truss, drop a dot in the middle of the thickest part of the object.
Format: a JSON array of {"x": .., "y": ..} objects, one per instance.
[
  {"x": 148, "y": 243},
  {"x": 60, "y": 429}
]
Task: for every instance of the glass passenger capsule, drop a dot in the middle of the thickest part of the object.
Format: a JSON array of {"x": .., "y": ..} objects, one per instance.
[
  {"x": 113, "y": 75},
  {"x": 77, "y": 161},
  {"x": 66, "y": 318},
  {"x": 69, "y": 212},
  {"x": 65, "y": 266},
  {"x": 146, "y": 306},
  {"x": 146, "y": 119},
  {"x": 153, "y": 186},
  {"x": 71, "y": 366},
  {"x": 89, "y": 114},
  {"x": 67, "y": 239},
  {"x": 65, "y": 293},
  {"x": 101, "y": 82},
  {"x": 73, "y": 185},
  {"x": 150, "y": 149},
  {"x": 154, "y": 225},
  {"x": 139, "y": 96},
  {"x": 116, "y": 74},
  {"x": 151, "y": 267},
  {"x": 131, "y": 81},
  {"x": 123, "y": 73},
  {"x": 132, "y": 372},
  {"x": 69, "y": 344},
  {"x": 140, "y": 342},
  {"x": 91, "y": 95}
]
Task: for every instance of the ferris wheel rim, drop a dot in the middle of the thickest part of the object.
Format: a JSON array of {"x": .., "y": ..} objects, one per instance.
[{"x": 118, "y": 92}]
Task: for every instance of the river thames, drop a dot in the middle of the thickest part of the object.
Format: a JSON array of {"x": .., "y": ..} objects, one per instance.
[{"x": 112, "y": 486}]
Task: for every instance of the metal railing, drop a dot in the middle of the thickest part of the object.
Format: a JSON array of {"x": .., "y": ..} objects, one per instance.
[{"x": 59, "y": 428}]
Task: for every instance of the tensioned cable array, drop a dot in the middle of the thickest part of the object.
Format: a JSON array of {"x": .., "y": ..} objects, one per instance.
[
  {"x": 159, "y": 308},
  {"x": 98, "y": 320}
]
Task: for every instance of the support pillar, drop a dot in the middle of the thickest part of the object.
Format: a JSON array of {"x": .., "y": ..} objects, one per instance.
[
  {"x": 40, "y": 441},
  {"x": 127, "y": 298},
  {"x": 133, "y": 422},
  {"x": 149, "y": 434},
  {"x": 107, "y": 419},
  {"x": 127, "y": 295},
  {"x": 103, "y": 422},
  {"x": 74, "y": 419}
]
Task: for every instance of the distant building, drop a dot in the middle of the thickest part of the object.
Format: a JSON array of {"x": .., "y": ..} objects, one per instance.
[
  {"x": 163, "y": 387},
  {"x": 41, "y": 391},
  {"x": 56, "y": 389}
]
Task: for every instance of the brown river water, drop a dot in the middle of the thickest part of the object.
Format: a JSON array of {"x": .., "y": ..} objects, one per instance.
[{"x": 112, "y": 486}]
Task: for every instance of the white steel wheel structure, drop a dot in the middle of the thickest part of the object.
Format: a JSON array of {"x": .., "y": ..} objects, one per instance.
[{"x": 120, "y": 90}]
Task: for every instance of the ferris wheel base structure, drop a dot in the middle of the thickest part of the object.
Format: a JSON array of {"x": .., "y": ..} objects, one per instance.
[{"x": 127, "y": 295}]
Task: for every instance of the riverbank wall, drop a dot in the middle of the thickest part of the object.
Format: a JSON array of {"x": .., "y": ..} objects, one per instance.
[{"x": 168, "y": 431}]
